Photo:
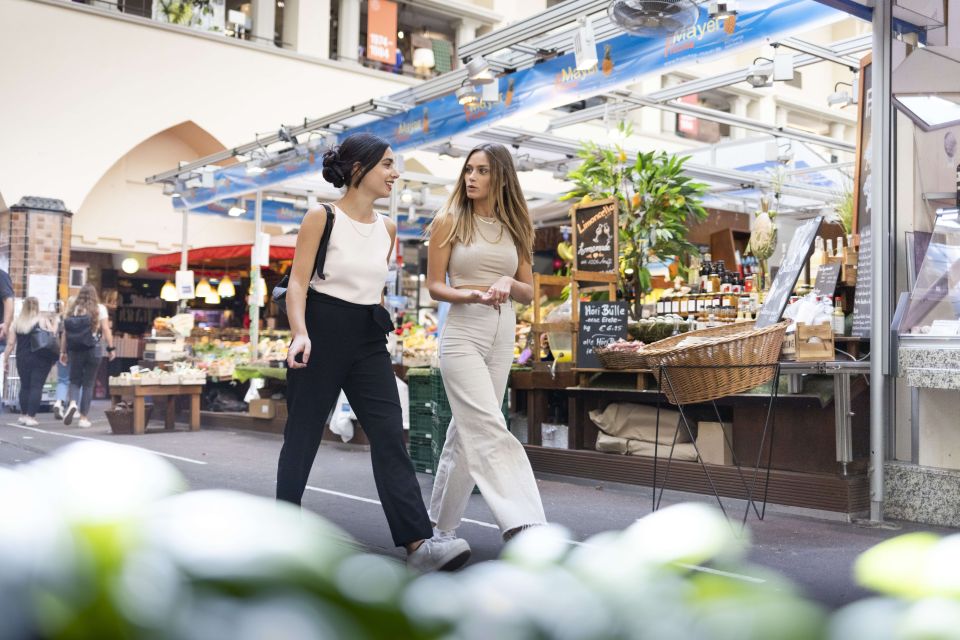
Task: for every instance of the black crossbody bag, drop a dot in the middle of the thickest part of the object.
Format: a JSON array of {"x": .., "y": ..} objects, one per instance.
[{"x": 279, "y": 294}]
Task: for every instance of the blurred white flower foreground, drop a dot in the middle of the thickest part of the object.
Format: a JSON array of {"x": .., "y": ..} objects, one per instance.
[{"x": 102, "y": 541}]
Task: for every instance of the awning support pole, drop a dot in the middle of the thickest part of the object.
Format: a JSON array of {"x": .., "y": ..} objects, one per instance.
[
  {"x": 882, "y": 230},
  {"x": 255, "y": 293},
  {"x": 184, "y": 250}
]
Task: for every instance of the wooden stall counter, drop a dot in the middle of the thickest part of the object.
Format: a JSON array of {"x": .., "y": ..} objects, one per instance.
[{"x": 139, "y": 394}]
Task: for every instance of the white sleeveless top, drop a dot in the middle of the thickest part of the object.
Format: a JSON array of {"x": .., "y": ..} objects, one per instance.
[{"x": 356, "y": 265}]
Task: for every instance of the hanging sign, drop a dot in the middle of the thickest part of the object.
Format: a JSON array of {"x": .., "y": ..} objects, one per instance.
[
  {"x": 382, "y": 31},
  {"x": 260, "y": 256},
  {"x": 553, "y": 83},
  {"x": 595, "y": 236},
  {"x": 185, "y": 285}
]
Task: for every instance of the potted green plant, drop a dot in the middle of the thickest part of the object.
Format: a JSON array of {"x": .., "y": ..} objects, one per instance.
[{"x": 657, "y": 202}]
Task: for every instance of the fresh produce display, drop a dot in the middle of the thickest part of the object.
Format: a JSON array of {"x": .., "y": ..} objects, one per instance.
[
  {"x": 419, "y": 344},
  {"x": 177, "y": 373},
  {"x": 626, "y": 346}
]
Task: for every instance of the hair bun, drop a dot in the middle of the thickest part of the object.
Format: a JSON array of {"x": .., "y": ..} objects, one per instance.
[{"x": 332, "y": 169}]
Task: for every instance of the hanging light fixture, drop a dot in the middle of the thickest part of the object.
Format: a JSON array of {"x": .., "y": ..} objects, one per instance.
[
  {"x": 203, "y": 288},
  {"x": 479, "y": 71},
  {"x": 130, "y": 265},
  {"x": 467, "y": 94},
  {"x": 213, "y": 297},
  {"x": 169, "y": 292},
  {"x": 226, "y": 289}
]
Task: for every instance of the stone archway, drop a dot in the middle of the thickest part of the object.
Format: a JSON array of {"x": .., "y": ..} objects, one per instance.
[{"x": 122, "y": 213}]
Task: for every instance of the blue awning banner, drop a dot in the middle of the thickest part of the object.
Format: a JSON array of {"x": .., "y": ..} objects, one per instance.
[{"x": 622, "y": 60}]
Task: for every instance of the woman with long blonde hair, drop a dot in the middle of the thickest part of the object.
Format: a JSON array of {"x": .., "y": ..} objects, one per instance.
[
  {"x": 33, "y": 362},
  {"x": 86, "y": 330},
  {"x": 483, "y": 241}
]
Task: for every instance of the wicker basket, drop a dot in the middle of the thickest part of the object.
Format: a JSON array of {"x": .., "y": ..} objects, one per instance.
[
  {"x": 121, "y": 419},
  {"x": 616, "y": 359},
  {"x": 729, "y": 360}
]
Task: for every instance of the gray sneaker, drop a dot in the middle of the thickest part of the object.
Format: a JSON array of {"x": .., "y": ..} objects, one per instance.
[{"x": 448, "y": 554}]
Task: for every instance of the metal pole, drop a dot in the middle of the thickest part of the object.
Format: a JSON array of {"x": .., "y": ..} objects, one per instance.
[
  {"x": 255, "y": 293},
  {"x": 881, "y": 221},
  {"x": 182, "y": 305}
]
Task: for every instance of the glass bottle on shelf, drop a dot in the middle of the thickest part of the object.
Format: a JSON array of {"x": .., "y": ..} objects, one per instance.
[
  {"x": 715, "y": 276},
  {"x": 837, "y": 321}
]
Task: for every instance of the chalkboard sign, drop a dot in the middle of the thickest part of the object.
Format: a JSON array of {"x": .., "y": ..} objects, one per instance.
[
  {"x": 793, "y": 262},
  {"x": 864, "y": 291},
  {"x": 827, "y": 277},
  {"x": 600, "y": 324},
  {"x": 595, "y": 236},
  {"x": 863, "y": 204}
]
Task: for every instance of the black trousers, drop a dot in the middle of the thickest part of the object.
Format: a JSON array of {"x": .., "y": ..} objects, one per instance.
[
  {"x": 33, "y": 369},
  {"x": 348, "y": 351},
  {"x": 84, "y": 364}
]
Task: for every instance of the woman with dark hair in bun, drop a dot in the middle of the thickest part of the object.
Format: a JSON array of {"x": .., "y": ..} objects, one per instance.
[{"x": 339, "y": 315}]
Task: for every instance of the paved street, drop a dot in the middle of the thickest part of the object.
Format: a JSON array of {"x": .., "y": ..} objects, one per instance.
[{"x": 814, "y": 552}]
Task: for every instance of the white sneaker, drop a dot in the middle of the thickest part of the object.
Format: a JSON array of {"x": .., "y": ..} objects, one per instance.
[
  {"x": 439, "y": 555},
  {"x": 58, "y": 410},
  {"x": 69, "y": 413},
  {"x": 22, "y": 420},
  {"x": 83, "y": 423},
  {"x": 27, "y": 421},
  {"x": 440, "y": 534}
]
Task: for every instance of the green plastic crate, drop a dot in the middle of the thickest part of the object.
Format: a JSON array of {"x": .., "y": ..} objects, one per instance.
[{"x": 424, "y": 467}]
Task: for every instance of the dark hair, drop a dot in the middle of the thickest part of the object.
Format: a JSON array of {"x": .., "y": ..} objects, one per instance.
[{"x": 363, "y": 148}]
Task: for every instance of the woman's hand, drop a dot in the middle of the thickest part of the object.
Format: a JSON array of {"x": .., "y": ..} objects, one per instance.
[
  {"x": 64, "y": 359},
  {"x": 300, "y": 344},
  {"x": 499, "y": 292},
  {"x": 111, "y": 355}
]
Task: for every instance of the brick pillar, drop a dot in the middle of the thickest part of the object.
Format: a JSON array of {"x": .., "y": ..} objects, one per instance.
[{"x": 35, "y": 240}]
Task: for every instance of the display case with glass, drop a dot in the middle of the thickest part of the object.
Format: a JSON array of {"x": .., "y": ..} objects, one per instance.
[
  {"x": 932, "y": 314},
  {"x": 929, "y": 323}
]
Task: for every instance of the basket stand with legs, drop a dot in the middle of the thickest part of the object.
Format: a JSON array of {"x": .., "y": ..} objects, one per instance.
[{"x": 667, "y": 389}]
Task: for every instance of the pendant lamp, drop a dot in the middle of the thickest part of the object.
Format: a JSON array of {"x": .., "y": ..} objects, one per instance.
[
  {"x": 203, "y": 288},
  {"x": 169, "y": 292},
  {"x": 226, "y": 288}
]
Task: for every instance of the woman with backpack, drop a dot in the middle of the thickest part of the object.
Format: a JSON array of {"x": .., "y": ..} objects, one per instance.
[
  {"x": 36, "y": 348},
  {"x": 86, "y": 328}
]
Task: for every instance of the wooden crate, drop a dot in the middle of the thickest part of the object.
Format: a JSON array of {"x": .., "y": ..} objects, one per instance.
[{"x": 814, "y": 342}]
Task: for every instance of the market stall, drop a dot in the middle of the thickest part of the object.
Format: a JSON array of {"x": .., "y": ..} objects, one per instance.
[{"x": 692, "y": 245}]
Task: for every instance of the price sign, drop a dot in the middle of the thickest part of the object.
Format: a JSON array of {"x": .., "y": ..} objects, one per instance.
[{"x": 600, "y": 324}]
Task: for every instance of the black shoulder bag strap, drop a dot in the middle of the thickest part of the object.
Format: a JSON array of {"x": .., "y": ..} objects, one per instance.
[{"x": 324, "y": 241}]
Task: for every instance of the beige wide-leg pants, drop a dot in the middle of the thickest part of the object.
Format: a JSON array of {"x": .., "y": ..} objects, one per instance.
[{"x": 476, "y": 350}]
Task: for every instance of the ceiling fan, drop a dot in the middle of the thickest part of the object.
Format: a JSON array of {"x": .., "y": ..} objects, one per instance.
[{"x": 653, "y": 18}]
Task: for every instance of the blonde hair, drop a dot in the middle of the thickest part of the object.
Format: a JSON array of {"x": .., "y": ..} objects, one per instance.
[
  {"x": 87, "y": 302},
  {"x": 29, "y": 316},
  {"x": 509, "y": 205}
]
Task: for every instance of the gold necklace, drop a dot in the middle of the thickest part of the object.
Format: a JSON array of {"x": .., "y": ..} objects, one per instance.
[{"x": 499, "y": 237}]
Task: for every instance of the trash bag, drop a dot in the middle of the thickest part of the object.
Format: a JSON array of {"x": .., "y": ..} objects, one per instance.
[{"x": 220, "y": 400}]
